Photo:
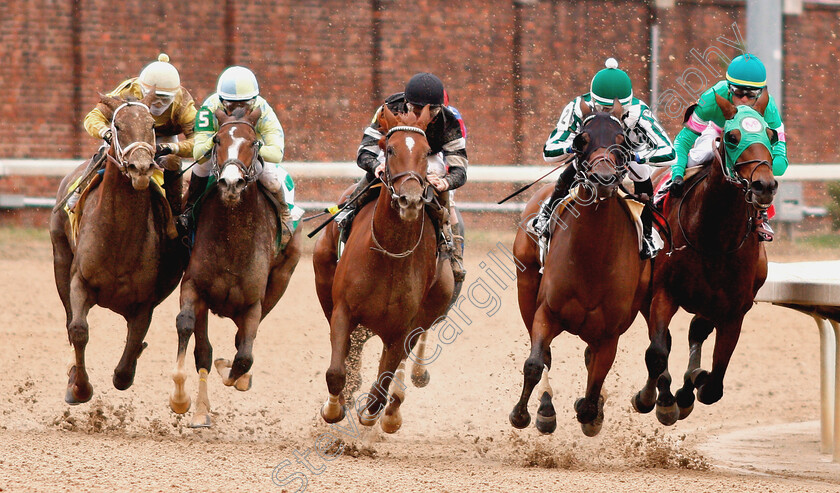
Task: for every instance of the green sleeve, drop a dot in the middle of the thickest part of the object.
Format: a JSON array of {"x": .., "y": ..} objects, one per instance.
[
  {"x": 779, "y": 151},
  {"x": 682, "y": 144}
]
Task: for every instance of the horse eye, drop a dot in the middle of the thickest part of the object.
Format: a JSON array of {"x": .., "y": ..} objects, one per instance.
[
  {"x": 731, "y": 137},
  {"x": 116, "y": 127},
  {"x": 390, "y": 151}
]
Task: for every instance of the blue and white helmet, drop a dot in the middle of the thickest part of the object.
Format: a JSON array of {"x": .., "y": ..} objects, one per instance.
[{"x": 237, "y": 84}]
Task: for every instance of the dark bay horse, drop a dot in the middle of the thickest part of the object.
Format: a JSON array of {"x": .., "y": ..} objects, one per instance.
[
  {"x": 388, "y": 278},
  {"x": 594, "y": 282},
  {"x": 122, "y": 257},
  {"x": 236, "y": 269},
  {"x": 717, "y": 264}
]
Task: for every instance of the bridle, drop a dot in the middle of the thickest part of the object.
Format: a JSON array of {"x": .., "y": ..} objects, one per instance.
[
  {"x": 249, "y": 172},
  {"x": 736, "y": 179},
  {"x": 123, "y": 154},
  {"x": 585, "y": 167},
  {"x": 397, "y": 198}
]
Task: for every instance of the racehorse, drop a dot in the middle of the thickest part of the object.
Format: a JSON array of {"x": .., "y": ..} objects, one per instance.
[
  {"x": 716, "y": 266},
  {"x": 594, "y": 281},
  {"x": 237, "y": 269},
  {"x": 121, "y": 257},
  {"x": 388, "y": 278}
]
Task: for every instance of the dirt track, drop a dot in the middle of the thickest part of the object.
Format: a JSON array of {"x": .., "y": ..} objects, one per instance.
[{"x": 455, "y": 435}]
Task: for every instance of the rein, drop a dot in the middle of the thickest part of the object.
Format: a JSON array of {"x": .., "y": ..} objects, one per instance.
[{"x": 124, "y": 154}]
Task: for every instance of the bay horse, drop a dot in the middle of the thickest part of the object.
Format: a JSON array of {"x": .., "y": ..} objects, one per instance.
[
  {"x": 716, "y": 265},
  {"x": 236, "y": 269},
  {"x": 121, "y": 257},
  {"x": 389, "y": 277},
  {"x": 594, "y": 281}
]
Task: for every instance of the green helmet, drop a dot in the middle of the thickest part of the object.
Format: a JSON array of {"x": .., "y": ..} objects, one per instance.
[
  {"x": 747, "y": 70},
  {"x": 611, "y": 83}
]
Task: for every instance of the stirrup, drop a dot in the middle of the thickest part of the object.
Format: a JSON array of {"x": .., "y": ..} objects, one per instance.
[
  {"x": 649, "y": 248},
  {"x": 539, "y": 226},
  {"x": 343, "y": 217},
  {"x": 764, "y": 231}
]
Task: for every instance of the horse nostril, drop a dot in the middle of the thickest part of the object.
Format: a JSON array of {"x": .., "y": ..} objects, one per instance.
[
  {"x": 402, "y": 201},
  {"x": 757, "y": 186}
]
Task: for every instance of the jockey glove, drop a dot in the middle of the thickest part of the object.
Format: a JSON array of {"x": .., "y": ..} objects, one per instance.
[
  {"x": 162, "y": 150},
  {"x": 106, "y": 136},
  {"x": 677, "y": 186}
]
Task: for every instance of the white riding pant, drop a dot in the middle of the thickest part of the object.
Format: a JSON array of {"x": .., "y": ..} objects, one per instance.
[{"x": 704, "y": 147}]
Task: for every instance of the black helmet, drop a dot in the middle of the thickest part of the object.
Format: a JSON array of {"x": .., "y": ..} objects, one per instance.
[{"x": 424, "y": 88}]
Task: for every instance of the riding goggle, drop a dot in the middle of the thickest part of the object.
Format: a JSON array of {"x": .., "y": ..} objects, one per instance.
[
  {"x": 740, "y": 91},
  {"x": 231, "y": 105},
  {"x": 163, "y": 100},
  {"x": 434, "y": 109}
]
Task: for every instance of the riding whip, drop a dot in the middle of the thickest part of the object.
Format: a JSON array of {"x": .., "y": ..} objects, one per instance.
[
  {"x": 346, "y": 204},
  {"x": 91, "y": 170},
  {"x": 526, "y": 187}
]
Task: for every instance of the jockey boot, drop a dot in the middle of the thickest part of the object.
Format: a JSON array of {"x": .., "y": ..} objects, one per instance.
[
  {"x": 762, "y": 227},
  {"x": 94, "y": 162},
  {"x": 288, "y": 224},
  {"x": 447, "y": 246},
  {"x": 649, "y": 247},
  {"x": 542, "y": 223},
  {"x": 344, "y": 219},
  {"x": 642, "y": 188},
  {"x": 184, "y": 222},
  {"x": 457, "y": 260}
]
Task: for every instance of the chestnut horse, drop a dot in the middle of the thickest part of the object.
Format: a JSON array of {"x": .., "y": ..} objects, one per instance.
[
  {"x": 389, "y": 278},
  {"x": 122, "y": 257},
  {"x": 594, "y": 281},
  {"x": 715, "y": 269},
  {"x": 236, "y": 269}
]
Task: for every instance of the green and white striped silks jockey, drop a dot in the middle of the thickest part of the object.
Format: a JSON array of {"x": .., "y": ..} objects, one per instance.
[{"x": 646, "y": 137}]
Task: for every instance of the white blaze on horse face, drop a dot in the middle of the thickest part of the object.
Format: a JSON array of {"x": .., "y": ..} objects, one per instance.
[
  {"x": 410, "y": 143},
  {"x": 231, "y": 173},
  {"x": 233, "y": 150}
]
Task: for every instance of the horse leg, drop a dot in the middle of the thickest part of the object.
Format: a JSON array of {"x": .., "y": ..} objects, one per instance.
[
  {"x": 374, "y": 404},
  {"x": 236, "y": 373},
  {"x": 179, "y": 400},
  {"x": 138, "y": 326},
  {"x": 203, "y": 358},
  {"x": 392, "y": 420},
  {"x": 546, "y": 421},
  {"x": 698, "y": 331},
  {"x": 710, "y": 385},
  {"x": 590, "y": 408},
  {"x": 62, "y": 261},
  {"x": 79, "y": 389},
  {"x": 358, "y": 338},
  {"x": 340, "y": 326},
  {"x": 656, "y": 359},
  {"x": 542, "y": 333},
  {"x": 419, "y": 374}
]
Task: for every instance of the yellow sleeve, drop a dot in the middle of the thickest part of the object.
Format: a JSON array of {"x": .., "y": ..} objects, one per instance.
[
  {"x": 272, "y": 136},
  {"x": 96, "y": 124},
  {"x": 186, "y": 120},
  {"x": 202, "y": 142}
]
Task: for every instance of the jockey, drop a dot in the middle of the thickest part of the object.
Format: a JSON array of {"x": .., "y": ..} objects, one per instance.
[
  {"x": 746, "y": 79},
  {"x": 447, "y": 161},
  {"x": 647, "y": 140},
  {"x": 173, "y": 111},
  {"x": 238, "y": 88}
]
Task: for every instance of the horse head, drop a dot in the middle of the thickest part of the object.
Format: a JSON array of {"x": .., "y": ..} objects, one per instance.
[
  {"x": 236, "y": 152},
  {"x": 132, "y": 137},
  {"x": 406, "y": 149},
  {"x": 745, "y": 150},
  {"x": 602, "y": 149}
]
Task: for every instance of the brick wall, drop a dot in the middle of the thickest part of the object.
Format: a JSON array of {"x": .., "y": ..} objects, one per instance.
[{"x": 509, "y": 66}]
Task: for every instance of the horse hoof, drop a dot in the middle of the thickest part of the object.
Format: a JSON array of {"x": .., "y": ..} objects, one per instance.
[
  {"x": 640, "y": 406},
  {"x": 79, "y": 396},
  {"x": 591, "y": 429},
  {"x": 122, "y": 381},
  {"x": 200, "y": 421},
  {"x": 390, "y": 424},
  {"x": 519, "y": 420},
  {"x": 243, "y": 383},
  {"x": 685, "y": 401},
  {"x": 546, "y": 424},
  {"x": 707, "y": 395},
  {"x": 332, "y": 415},
  {"x": 685, "y": 411},
  {"x": 667, "y": 415},
  {"x": 366, "y": 419},
  {"x": 179, "y": 407},
  {"x": 421, "y": 380}
]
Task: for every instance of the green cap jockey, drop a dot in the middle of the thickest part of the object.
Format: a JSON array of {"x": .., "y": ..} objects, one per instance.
[
  {"x": 747, "y": 71},
  {"x": 610, "y": 84}
]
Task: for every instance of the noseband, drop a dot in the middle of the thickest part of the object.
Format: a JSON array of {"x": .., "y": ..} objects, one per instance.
[
  {"x": 736, "y": 179},
  {"x": 124, "y": 153},
  {"x": 249, "y": 172}
]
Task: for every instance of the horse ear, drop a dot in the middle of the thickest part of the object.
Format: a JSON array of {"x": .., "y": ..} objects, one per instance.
[
  {"x": 728, "y": 108},
  {"x": 425, "y": 117},
  {"x": 584, "y": 109},
  {"x": 762, "y": 102},
  {"x": 773, "y": 135},
  {"x": 618, "y": 110},
  {"x": 387, "y": 120},
  {"x": 149, "y": 97},
  {"x": 110, "y": 102},
  {"x": 221, "y": 115},
  {"x": 254, "y": 115}
]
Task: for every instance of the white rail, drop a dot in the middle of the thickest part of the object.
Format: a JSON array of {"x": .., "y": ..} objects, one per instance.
[{"x": 814, "y": 288}]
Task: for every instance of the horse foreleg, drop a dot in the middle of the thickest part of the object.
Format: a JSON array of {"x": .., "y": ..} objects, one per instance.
[
  {"x": 698, "y": 331},
  {"x": 340, "y": 327},
  {"x": 237, "y": 373},
  {"x": 62, "y": 261},
  {"x": 542, "y": 333},
  {"x": 392, "y": 420},
  {"x": 79, "y": 389},
  {"x": 419, "y": 374},
  {"x": 138, "y": 326},
  {"x": 656, "y": 359},
  {"x": 710, "y": 388},
  {"x": 376, "y": 400},
  {"x": 546, "y": 421},
  {"x": 358, "y": 338},
  {"x": 590, "y": 408},
  {"x": 203, "y": 358},
  {"x": 179, "y": 400}
]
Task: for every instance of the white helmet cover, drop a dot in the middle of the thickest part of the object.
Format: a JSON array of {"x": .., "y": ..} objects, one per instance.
[
  {"x": 237, "y": 84},
  {"x": 160, "y": 75}
]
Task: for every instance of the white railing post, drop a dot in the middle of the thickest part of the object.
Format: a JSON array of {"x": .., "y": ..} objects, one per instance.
[{"x": 827, "y": 379}]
